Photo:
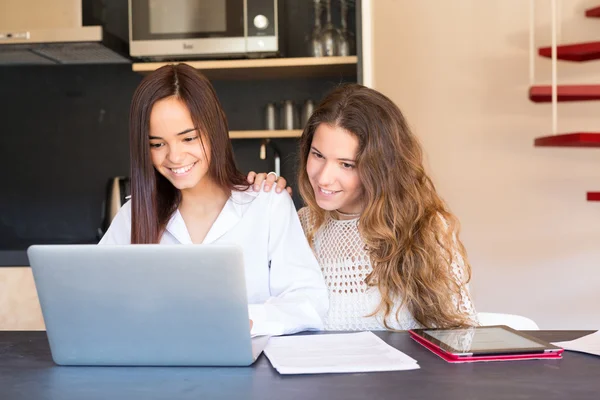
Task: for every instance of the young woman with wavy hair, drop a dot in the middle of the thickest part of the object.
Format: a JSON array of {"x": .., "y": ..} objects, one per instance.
[
  {"x": 387, "y": 245},
  {"x": 186, "y": 189}
]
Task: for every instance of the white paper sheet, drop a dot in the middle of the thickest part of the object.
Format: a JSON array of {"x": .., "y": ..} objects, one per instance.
[
  {"x": 587, "y": 344},
  {"x": 335, "y": 353}
]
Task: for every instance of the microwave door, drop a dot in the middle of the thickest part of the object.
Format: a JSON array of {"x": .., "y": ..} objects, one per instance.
[{"x": 187, "y": 27}]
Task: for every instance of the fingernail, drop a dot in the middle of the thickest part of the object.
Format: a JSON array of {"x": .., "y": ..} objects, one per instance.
[
  {"x": 267, "y": 188},
  {"x": 256, "y": 188},
  {"x": 278, "y": 190}
]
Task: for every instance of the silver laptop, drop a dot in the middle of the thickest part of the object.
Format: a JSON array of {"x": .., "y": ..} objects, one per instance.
[{"x": 162, "y": 305}]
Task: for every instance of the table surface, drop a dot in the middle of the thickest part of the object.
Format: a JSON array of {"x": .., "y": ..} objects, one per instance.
[{"x": 27, "y": 372}]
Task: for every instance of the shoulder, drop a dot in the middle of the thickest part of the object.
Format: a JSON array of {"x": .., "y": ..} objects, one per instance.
[
  {"x": 123, "y": 215},
  {"x": 126, "y": 209},
  {"x": 248, "y": 196},
  {"x": 305, "y": 215},
  {"x": 307, "y": 218},
  {"x": 266, "y": 201},
  {"x": 119, "y": 231}
]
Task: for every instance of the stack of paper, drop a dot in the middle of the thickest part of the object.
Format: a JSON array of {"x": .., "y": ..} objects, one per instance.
[
  {"x": 587, "y": 344},
  {"x": 335, "y": 353}
]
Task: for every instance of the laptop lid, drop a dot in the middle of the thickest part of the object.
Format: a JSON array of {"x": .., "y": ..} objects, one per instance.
[{"x": 144, "y": 304}]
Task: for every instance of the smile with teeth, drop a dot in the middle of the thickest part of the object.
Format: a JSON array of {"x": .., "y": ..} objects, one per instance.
[
  {"x": 182, "y": 170},
  {"x": 328, "y": 192}
]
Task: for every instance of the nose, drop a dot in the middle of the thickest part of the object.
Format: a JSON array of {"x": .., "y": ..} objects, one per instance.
[
  {"x": 176, "y": 154},
  {"x": 326, "y": 175}
]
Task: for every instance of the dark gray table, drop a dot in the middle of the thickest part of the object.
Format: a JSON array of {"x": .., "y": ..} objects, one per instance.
[{"x": 27, "y": 372}]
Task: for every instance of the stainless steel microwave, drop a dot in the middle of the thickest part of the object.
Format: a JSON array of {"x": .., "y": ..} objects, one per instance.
[{"x": 178, "y": 29}]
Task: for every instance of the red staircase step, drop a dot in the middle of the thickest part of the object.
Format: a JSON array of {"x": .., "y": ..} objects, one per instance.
[
  {"x": 593, "y": 12},
  {"x": 574, "y": 52},
  {"x": 576, "y": 139},
  {"x": 593, "y": 196},
  {"x": 543, "y": 93}
]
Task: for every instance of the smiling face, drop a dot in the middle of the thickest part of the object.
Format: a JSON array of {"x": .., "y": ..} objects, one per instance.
[
  {"x": 176, "y": 149},
  {"x": 331, "y": 170}
]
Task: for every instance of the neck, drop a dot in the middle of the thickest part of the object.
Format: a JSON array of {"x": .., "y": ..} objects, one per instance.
[
  {"x": 350, "y": 211},
  {"x": 205, "y": 196},
  {"x": 347, "y": 215}
]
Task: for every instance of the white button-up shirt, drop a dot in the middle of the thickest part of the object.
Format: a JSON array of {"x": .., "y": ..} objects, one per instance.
[{"x": 286, "y": 291}]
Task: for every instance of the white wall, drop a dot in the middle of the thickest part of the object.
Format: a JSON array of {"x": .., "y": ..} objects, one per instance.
[{"x": 459, "y": 72}]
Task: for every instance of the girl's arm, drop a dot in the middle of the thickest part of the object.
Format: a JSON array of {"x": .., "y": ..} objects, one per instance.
[{"x": 299, "y": 299}]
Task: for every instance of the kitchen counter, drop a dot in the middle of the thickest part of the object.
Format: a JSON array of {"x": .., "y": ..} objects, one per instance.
[{"x": 19, "y": 304}]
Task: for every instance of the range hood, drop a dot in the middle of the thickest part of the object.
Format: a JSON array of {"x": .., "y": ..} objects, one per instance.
[{"x": 42, "y": 32}]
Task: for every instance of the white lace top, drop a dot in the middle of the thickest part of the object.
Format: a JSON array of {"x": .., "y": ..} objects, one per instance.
[{"x": 345, "y": 264}]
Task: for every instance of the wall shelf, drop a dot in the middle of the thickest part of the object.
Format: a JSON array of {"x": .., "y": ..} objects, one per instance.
[
  {"x": 577, "y": 139},
  {"x": 265, "y": 134},
  {"x": 593, "y": 196},
  {"x": 543, "y": 93},
  {"x": 574, "y": 52},
  {"x": 266, "y": 68}
]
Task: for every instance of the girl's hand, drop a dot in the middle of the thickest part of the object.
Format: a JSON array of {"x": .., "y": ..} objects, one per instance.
[{"x": 269, "y": 179}]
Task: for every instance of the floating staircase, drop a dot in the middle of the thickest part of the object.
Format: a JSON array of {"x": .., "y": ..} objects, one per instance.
[
  {"x": 543, "y": 93},
  {"x": 579, "y": 139},
  {"x": 593, "y": 196},
  {"x": 593, "y": 12},
  {"x": 576, "y": 52}
]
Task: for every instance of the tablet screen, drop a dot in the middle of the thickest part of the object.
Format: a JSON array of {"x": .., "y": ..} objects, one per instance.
[{"x": 483, "y": 340}]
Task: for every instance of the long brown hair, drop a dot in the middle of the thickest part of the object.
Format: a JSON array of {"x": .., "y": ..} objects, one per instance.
[
  {"x": 153, "y": 198},
  {"x": 411, "y": 237}
]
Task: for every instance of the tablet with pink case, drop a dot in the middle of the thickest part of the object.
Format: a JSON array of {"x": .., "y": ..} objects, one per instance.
[{"x": 490, "y": 343}]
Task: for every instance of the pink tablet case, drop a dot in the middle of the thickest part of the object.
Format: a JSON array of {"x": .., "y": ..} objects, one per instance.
[{"x": 455, "y": 359}]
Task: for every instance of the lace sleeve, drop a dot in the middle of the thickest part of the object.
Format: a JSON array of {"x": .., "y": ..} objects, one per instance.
[{"x": 463, "y": 302}]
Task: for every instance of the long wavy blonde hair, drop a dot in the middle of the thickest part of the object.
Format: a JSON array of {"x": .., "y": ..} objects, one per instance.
[{"x": 411, "y": 237}]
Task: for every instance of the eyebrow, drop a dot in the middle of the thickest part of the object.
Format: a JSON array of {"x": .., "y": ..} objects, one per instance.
[
  {"x": 339, "y": 159},
  {"x": 180, "y": 133}
]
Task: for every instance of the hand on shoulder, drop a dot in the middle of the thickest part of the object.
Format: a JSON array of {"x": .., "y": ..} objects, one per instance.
[{"x": 257, "y": 179}]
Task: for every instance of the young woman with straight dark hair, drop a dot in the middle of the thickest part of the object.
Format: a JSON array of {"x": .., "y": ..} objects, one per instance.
[{"x": 186, "y": 188}]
